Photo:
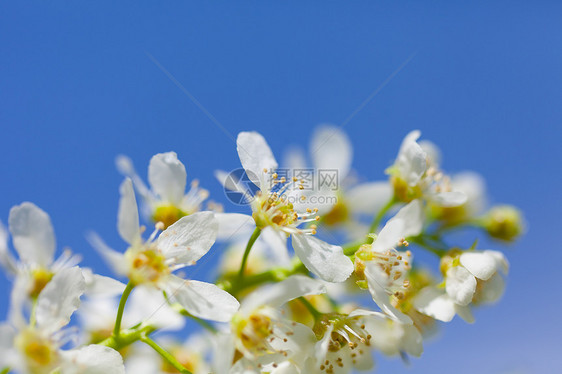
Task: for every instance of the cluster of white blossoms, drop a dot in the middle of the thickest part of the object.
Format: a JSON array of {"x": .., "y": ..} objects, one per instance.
[{"x": 274, "y": 307}]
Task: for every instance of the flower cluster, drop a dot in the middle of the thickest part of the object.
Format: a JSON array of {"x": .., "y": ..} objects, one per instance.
[{"x": 277, "y": 305}]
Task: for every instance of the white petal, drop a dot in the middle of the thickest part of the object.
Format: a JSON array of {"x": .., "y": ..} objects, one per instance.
[
  {"x": 60, "y": 298},
  {"x": 203, "y": 300},
  {"x": 325, "y": 260},
  {"x": 190, "y": 238},
  {"x": 465, "y": 313},
  {"x": 231, "y": 182},
  {"x": 432, "y": 151},
  {"x": 460, "y": 285},
  {"x": 413, "y": 216},
  {"x": 412, "y": 341},
  {"x": 278, "y": 294},
  {"x": 389, "y": 236},
  {"x": 449, "y": 199},
  {"x": 255, "y": 156},
  {"x": 474, "y": 187},
  {"x": 92, "y": 359},
  {"x": 375, "y": 280},
  {"x": 115, "y": 259},
  {"x": 234, "y": 225},
  {"x": 125, "y": 166},
  {"x": 18, "y": 298},
  {"x": 6, "y": 258},
  {"x": 167, "y": 176},
  {"x": 435, "y": 303},
  {"x": 371, "y": 314},
  {"x": 7, "y": 335},
  {"x": 411, "y": 160},
  {"x": 501, "y": 262},
  {"x": 492, "y": 290},
  {"x": 481, "y": 264},
  {"x": 32, "y": 234},
  {"x": 294, "y": 158},
  {"x": 223, "y": 352},
  {"x": 148, "y": 304},
  {"x": 276, "y": 244},
  {"x": 331, "y": 149},
  {"x": 128, "y": 214},
  {"x": 98, "y": 285},
  {"x": 368, "y": 198},
  {"x": 286, "y": 367}
]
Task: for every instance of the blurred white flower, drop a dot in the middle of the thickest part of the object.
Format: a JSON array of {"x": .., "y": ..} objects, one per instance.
[
  {"x": 34, "y": 241},
  {"x": 470, "y": 277},
  {"x": 166, "y": 200},
  {"x": 261, "y": 332},
  {"x": 415, "y": 175},
  {"x": 37, "y": 347}
]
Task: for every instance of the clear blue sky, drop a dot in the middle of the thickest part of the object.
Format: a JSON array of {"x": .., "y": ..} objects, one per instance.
[{"x": 77, "y": 87}]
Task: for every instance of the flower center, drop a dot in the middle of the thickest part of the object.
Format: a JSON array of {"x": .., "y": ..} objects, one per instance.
[
  {"x": 39, "y": 279},
  {"x": 168, "y": 214},
  {"x": 338, "y": 214},
  {"x": 146, "y": 266},
  {"x": 39, "y": 352}
]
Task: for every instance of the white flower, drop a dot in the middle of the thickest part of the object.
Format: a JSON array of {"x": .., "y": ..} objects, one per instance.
[
  {"x": 276, "y": 205},
  {"x": 262, "y": 334},
  {"x": 34, "y": 241},
  {"x": 345, "y": 343},
  {"x": 471, "y": 277},
  {"x": 166, "y": 200},
  {"x": 331, "y": 149},
  {"x": 394, "y": 338},
  {"x": 415, "y": 175},
  {"x": 385, "y": 268},
  {"x": 473, "y": 187},
  {"x": 151, "y": 262},
  {"x": 37, "y": 347}
]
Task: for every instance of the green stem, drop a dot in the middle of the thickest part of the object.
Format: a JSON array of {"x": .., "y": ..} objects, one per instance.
[
  {"x": 165, "y": 354},
  {"x": 122, "y": 302},
  {"x": 273, "y": 275},
  {"x": 431, "y": 247},
  {"x": 251, "y": 242},
  {"x": 200, "y": 321},
  {"x": 126, "y": 337},
  {"x": 351, "y": 248},
  {"x": 315, "y": 313},
  {"x": 5, "y": 371},
  {"x": 380, "y": 215},
  {"x": 33, "y": 315}
]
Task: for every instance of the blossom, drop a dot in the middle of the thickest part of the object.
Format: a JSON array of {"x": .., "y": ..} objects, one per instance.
[
  {"x": 152, "y": 262},
  {"x": 473, "y": 187},
  {"x": 37, "y": 347},
  {"x": 470, "y": 277},
  {"x": 277, "y": 205},
  {"x": 262, "y": 335},
  {"x": 165, "y": 201},
  {"x": 345, "y": 204},
  {"x": 34, "y": 241},
  {"x": 383, "y": 267},
  {"x": 415, "y": 175}
]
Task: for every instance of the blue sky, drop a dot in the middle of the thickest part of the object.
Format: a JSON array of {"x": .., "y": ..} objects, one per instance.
[{"x": 81, "y": 82}]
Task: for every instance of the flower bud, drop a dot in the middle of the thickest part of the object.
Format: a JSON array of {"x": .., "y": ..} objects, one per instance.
[{"x": 504, "y": 222}]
